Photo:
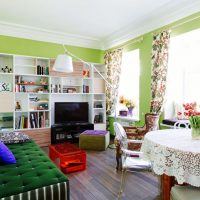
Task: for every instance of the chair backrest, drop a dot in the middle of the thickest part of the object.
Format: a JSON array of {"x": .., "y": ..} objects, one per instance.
[
  {"x": 120, "y": 134},
  {"x": 181, "y": 124},
  {"x": 151, "y": 121}
]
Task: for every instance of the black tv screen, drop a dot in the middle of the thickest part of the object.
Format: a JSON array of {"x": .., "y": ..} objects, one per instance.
[{"x": 71, "y": 112}]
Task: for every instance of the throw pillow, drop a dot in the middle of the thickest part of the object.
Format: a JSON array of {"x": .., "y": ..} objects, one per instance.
[
  {"x": 13, "y": 137},
  {"x": 6, "y": 156}
]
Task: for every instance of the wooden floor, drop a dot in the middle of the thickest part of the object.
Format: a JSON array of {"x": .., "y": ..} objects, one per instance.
[{"x": 100, "y": 181}]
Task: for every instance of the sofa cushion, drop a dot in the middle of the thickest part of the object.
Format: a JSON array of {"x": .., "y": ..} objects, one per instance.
[
  {"x": 13, "y": 137},
  {"x": 6, "y": 156}
]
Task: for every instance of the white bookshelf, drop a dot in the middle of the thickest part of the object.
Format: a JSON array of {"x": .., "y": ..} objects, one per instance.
[{"x": 32, "y": 83}]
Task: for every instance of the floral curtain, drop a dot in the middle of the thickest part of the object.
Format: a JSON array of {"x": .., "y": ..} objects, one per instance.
[
  {"x": 159, "y": 70},
  {"x": 113, "y": 60}
]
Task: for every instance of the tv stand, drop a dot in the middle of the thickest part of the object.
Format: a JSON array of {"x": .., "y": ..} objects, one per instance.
[{"x": 68, "y": 132}]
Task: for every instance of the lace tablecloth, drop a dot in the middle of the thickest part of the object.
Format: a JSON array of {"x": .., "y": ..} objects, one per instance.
[{"x": 174, "y": 153}]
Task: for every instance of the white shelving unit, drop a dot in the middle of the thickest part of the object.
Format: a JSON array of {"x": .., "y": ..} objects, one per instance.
[
  {"x": 31, "y": 83},
  {"x": 31, "y": 80}
]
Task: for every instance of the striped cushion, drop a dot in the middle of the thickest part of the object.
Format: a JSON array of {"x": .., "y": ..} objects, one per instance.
[{"x": 59, "y": 191}]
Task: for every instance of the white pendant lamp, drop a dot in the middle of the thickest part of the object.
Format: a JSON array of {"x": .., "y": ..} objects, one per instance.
[{"x": 63, "y": 63}]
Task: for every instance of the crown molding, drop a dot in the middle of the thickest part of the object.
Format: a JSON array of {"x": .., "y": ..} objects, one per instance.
[
  {"x": 171, "y": 12},
  {"x": 152, "y": 22},
  {"x": 33, "y": 33}
]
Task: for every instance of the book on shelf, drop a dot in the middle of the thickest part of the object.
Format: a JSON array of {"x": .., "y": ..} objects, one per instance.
[
  {"x": 21, "y": 122},
  {"x": 41, "y": 120},
  {"x": 42, "y": 70},
  {"x": 85, "y": 89},
  {"x": 20, "y": 88},
  {"x": 33, "y": 120}
]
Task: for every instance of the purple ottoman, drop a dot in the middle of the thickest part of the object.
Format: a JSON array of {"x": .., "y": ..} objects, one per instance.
[{"x": 94, "y": 140}]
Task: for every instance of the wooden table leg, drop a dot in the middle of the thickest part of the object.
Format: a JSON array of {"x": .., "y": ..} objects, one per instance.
[{"x": 167, "y": 182}]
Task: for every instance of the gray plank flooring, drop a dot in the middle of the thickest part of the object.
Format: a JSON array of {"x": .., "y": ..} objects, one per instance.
[{"x": 100, "y": 181}]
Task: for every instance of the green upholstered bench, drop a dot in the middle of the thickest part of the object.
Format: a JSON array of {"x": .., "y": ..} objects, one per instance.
[
  {"x": 94, "y": 140},
  {"x": 33, "y": 177}
]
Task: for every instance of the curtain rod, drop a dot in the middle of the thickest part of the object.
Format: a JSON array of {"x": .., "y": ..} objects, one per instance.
[
  {"x": 176, "y": 25},
  {"x": 181, "y": 23},
  {"x": 129, "y": 43}
]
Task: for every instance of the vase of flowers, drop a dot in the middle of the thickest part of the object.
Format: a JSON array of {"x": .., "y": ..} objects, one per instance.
[
  {"x": 188, "y": 110},
  {"x": 129, "y": 103},
  {"x": 195, "y": 125}
]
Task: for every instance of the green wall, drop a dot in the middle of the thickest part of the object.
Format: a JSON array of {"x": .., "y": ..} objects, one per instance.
[
  {"x": 145, "y": 47},
  {"x": 21, "y": 46},
  {"x": 45, "y": 49}
]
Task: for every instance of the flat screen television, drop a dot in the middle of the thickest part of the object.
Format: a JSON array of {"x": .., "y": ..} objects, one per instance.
[{"x": 71, "y": 112}]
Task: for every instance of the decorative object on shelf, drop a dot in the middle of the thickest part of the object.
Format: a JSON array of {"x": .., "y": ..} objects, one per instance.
[
  {"x": 17, "y": 106},
  {"x": 6, "y": 69},
  {"x": 34, "y": 99},
  {"x": 43, "y": 81},
  {"x": 5, "y": 87},
  {"x": 86, "y": 73},
  {"x": 195, "y": 125},
  {"x": 43, "y": 106},
  {"x": 42, "y": 90},
  {"x": 98, "y": 105},
  {"x": 71, "y": 90},
  {"x": 98, "y": 118}
]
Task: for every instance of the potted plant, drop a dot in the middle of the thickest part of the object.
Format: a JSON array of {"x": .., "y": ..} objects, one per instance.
[{"x": 195, "y": 125}]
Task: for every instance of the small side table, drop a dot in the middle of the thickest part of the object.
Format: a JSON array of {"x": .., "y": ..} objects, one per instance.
[{"x": 70, "y": 157}]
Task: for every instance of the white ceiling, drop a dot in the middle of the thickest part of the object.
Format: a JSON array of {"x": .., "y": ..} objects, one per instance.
[{"x": 97, "y": 24}]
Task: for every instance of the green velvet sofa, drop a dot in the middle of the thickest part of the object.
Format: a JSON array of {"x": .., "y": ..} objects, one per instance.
[{"x": 33, "y": 177}]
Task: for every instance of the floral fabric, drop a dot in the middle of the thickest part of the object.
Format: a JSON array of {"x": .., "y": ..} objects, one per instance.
[
  {"x": 113, "y": 62},
  {"x": 159, "y": 70}
]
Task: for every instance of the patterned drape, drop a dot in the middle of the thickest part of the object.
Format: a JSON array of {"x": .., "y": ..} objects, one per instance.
[
  {"x": 113, "y": 62},
  {"x": 159, "y": 70}
]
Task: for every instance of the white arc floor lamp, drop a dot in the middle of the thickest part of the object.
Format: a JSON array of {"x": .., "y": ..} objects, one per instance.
[{"x": 63, "y": 63}]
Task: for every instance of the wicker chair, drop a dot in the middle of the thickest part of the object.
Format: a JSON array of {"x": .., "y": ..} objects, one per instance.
[{"x": 136, "y": 133}]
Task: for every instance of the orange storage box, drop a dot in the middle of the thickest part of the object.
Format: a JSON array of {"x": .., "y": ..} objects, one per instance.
[{"x": 70, "y": 157}]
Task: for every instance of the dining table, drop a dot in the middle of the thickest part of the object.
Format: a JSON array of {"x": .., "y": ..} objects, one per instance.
[{"x": 175, "y": 155}]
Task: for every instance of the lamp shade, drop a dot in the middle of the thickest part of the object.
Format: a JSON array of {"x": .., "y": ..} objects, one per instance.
[{"x": 63, "y": 63}]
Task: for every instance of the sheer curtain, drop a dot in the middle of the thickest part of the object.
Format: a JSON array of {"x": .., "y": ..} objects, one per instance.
[{"x": 183, "y": 72}]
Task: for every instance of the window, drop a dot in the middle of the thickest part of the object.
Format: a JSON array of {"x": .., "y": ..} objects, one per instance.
[
  {"x": 129, "y": 80},
  {"x": 183, "y": 72}
]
